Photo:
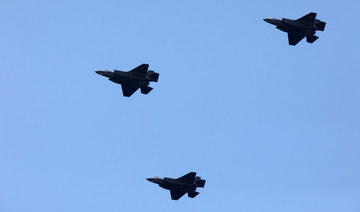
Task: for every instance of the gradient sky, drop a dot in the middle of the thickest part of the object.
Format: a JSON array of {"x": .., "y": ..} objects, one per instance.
[{"x": 271, "y": 127}]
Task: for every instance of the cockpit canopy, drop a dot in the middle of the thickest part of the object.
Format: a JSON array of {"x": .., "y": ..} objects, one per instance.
[{"x": 158, "y": 178}]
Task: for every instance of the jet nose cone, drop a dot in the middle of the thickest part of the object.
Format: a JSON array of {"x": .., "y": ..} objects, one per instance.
[
  {"x": 98, "y": 72},
  {"x": 267, "y": 20},
  {"x": 149, "y": 179}
]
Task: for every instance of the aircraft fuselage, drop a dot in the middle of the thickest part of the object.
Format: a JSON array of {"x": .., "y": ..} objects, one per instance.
[
  {"x": 170, "y": 184},
  {"x": 288, "y": 25},
  {"x": 121, "y": 77}
]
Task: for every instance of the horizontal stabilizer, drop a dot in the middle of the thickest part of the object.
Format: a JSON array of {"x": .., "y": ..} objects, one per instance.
[
  {"x": 152, "y": 76},
  {"x": 146, "y": 89},
  {"x": 321, "y": 25},
  {"x": 193, "y": 194},
  {"x": 200, "y": 183},
  {"x": 311, "y": 38}
]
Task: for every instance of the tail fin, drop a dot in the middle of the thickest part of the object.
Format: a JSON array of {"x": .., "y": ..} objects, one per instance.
[
  {"x": 199, "y": 182},
  {"x": 146, "y": 89},
  {"x": 153, "y": 76},
  {"x": 311, "y": 38},
  {"x": 193, "y": 194},
  {"x": 321, "y": 25}
]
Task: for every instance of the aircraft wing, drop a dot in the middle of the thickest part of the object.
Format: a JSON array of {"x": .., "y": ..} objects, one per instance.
[
  {"x": 309, "y": 18},
  {"x": 177, "y": 194},
  {"x": 128, "y": 90},
  {"x": 141, "y": 70},
  {"x": 190, "y": 177},
  {"x": 295, "y": 38}
]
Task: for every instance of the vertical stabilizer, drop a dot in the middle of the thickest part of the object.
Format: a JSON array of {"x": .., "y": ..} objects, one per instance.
[
  {"x": 321, "y": 25},
  {"x": 199, "y": 182},
  {"x": 152, "y": 76}
]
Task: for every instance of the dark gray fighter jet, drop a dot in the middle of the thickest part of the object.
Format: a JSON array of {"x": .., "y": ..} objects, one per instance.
[
  {"x": 132, "y": 80},
  {"x": 298, "y": 29},
  {"x": 180, "y": 186}
]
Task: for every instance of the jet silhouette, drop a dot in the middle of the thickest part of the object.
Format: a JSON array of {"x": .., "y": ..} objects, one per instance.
[
  {"x": 305, "y": 26},
  {"x": 180, "y": 186},
  {"x": 130, "y": 81}
]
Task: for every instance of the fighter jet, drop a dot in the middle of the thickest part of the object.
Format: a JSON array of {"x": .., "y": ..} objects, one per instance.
[
  {"x": 305, "y": 26},
  {"x": 132, "y": 80},
  {"x": 180, "y": 186}
]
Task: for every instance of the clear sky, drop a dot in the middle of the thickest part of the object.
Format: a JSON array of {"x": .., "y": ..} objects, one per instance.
[{"x": 271, "y": 127}]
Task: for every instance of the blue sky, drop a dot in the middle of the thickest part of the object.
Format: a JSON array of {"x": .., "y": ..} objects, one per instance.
[{"x": 271, "y": 127}]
